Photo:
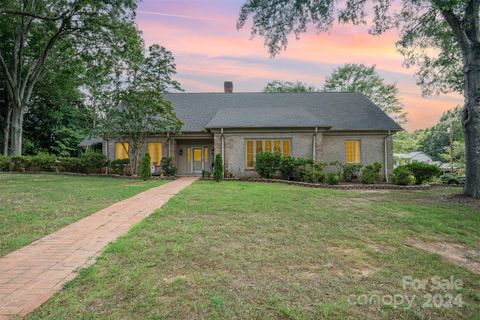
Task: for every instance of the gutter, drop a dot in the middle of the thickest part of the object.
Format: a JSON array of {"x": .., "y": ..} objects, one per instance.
[
  {"x": 314, "y": 151},
  {"x": 385, "y": 140}
]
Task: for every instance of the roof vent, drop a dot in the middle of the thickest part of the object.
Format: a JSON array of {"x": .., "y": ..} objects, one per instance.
[{"x": 228, "y": 86}]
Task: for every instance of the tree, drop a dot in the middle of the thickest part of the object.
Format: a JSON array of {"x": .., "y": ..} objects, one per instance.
[
  {"x": 287, "y": 86},
  {"x": 145, "y": 171},
  {"x": 134, "y": 106},
  {"x": 436, "y": 139},
  {"x": 218, "y": 168},
  {"x": 366, "y": 80},
  {"x": 451, "y": 28},
  {"x": 34, "y": 28},
  {"x": 404, "y": 141}
]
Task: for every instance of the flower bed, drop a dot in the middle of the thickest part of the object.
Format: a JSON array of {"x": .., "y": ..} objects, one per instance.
[{"x": 350, "y": 186}]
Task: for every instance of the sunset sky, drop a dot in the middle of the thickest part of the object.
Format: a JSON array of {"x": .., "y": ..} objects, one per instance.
[{"x": 209, "y": 50}]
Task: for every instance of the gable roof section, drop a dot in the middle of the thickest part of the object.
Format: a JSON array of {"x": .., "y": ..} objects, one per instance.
[{"x": 335, "y": 110}]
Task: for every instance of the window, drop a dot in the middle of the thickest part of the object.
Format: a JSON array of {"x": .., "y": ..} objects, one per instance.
[
  {"x": 205, "y": 152},
  {"x": 121, "y": 151},
  {"x": 286, "y": 148},
  {"x": 155, "y": 151},
  {"x": 197, "y": 154},
  {"x": 250, "y": 155},
  {"x": 352, "y": 151},
  {"x": 254, "y": 147}
]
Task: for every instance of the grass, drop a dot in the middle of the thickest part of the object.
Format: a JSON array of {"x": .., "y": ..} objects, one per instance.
[
  {"x": 238, "y": 250},
  {"x": 32, "y": 206}
]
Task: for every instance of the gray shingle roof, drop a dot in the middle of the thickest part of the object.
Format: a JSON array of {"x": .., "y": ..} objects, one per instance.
[
  {"x": 90, "y": 141},
  {"x": 337, "y": 110}
]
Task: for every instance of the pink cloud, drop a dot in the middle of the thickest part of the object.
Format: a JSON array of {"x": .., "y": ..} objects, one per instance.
[{"x": 208, "y": 49}]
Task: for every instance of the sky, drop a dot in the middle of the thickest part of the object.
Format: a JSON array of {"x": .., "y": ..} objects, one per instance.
[{"x": 209, "y": 50}]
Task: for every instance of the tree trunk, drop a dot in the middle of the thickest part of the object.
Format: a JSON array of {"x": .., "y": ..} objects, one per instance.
[
  {"x": 6, "y": 131},
  {"x": 17, "y": 131},
  {"x": 471, "y": 121}
]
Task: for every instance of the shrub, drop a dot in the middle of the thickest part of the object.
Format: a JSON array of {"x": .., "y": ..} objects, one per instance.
[
  {"x": 312, "y": 173},
  {"x": 423, "y": 172},
  {"x": 287, "y": 167},
  {"x": 218, "y": 168},
  {"x": 20, "y": 163},
  {"x": 168, "y": 167},
  {"x": 403, "y": 176},
  {"x": 117, "y": 166},
  {"x": 452, "y": 179},
  {"x": 70, "y": 164},
  {"x": 92, "y": 162},
  {"x": 333, "y": 178},
  {"x": 4, "y": 163},
  {"x": 206, "y": 174},
  {"x": 371, "y": 173},
  {"x": 267, "y": 164},
  {"x": 351, "y": 171},
  {"x": 44, "y": 161},
  {"x": 145, "y": 171}
]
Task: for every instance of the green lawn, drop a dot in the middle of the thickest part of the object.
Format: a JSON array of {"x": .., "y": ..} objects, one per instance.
[
  {"x": 238, "y": 250},
  {"x": 32, "y": 206}
]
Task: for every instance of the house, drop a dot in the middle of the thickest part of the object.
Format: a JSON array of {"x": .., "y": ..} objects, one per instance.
[
  {"x": 416, "y": 156},
  {"x": 322, "y": 126},
  {"x": 91, "y": 142}
]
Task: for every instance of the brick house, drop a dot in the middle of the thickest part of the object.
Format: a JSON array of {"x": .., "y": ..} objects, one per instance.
[{"x": 324, "y": 126}]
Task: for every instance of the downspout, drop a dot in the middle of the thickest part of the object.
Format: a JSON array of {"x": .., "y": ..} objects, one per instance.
[
  {"x": 168, "y": 140},
  {"x": 386, "y": 155},
  {"x": 223, "y": 152},
  {"x": 314, "y": 151}
]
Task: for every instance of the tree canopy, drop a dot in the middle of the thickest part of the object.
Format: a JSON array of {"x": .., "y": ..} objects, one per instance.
[
  {"x": 366, "y": 80},
  {"x": 287, "y": 86}
]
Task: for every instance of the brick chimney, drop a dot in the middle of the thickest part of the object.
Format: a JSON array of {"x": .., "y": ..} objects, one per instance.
[{"x": 228, "y": 86}]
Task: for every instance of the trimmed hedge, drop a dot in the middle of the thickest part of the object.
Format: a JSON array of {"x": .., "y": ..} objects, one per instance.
[{"x": 423, "y": 172}]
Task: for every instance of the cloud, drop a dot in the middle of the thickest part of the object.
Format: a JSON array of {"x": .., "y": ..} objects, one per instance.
[{"x": 161, "y": 14}]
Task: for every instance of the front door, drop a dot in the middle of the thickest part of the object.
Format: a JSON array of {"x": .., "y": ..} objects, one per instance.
[{"x": 197, "y": 160}]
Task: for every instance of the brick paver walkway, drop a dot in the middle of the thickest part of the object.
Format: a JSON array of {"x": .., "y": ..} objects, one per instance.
[{"x": 32, "y": 274}]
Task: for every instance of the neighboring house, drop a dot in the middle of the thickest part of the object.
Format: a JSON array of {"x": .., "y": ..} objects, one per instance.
[
  {"x": 416, "y": 156},
  {"x": 321, "y": 126}
]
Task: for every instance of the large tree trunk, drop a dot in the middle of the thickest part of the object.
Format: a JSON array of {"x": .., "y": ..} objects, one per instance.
[
  {"x": 6, "y": 131},
  {"x": 472, "y": 122},
  {"x": 17, "y": 131}
]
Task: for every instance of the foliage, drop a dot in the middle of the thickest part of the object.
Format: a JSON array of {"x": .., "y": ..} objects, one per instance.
[
  {"x": 267, "y": 164},
  {"x": 218, "y": 168},
  {"x": 145, "y": 171},
  {"x": 333, "y": 178},
  {"x": 405, "y": 142},
  {"x": 4, "y": 163},
  {"x": 351, "y": 171},
  {"x": 371, "y": 173},
  {"x": 452, "y": 179},
  {"x": 20, "y": 163},
  {"x": 44, "y": 161},
  {"x": 135, "y": 108},
  {"x": 118, "y": 166},
  {"x": 403, "y": 176},
  {"x": 287, "y": 86},
  {"x": 70, "y": 164},
  {"x": 168, "y": 168},
  {"x": 436, "y": 139},
  {"x": 312, "y": 173},
  {"x": 365, "y": 79},
  {"x": 92, "y": 162},
  {"x": 423, "y": 172},
  {"x": 287, "y": 167},
  {"x": 50, "y": 35}
]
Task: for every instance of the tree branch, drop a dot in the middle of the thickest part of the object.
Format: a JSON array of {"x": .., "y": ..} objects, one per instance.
[
  {"x": 33, "y": 15},
  {"x": 456, "y": 25}
]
